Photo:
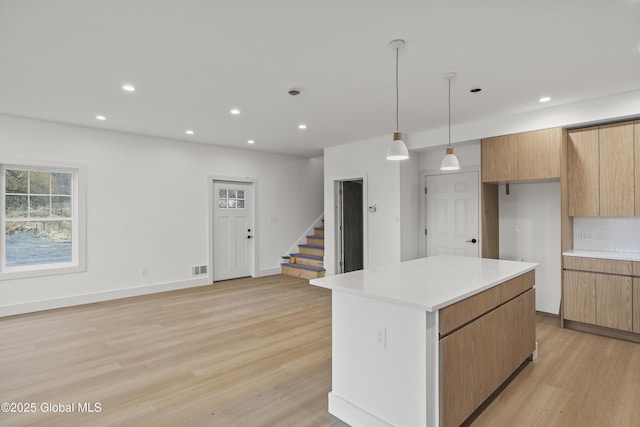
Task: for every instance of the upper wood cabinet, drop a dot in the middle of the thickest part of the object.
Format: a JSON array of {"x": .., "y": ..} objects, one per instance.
[
  {"x": 636, "y": 144},
  {"x": 617, "y": 187},
  {"x": 583, "y": 172},
  {"x": 600, "y": 169},
  {"x": 522, "y": 157}
]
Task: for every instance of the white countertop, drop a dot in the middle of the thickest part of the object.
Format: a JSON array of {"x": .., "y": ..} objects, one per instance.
[
  {"x": 604, "y": 255},
  {"x": 428, "y": 283}
]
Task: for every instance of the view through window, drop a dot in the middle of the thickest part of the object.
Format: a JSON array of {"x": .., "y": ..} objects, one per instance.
[{"x": 38, "y": 217}]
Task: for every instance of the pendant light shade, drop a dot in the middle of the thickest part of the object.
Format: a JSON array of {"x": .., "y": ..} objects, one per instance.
[
  {"x": 397, "y": 149},
  {"x": 450, "y": 161}
]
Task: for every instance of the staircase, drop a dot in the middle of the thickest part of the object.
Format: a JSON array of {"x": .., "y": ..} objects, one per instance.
[{"x": 308, "y": 262}]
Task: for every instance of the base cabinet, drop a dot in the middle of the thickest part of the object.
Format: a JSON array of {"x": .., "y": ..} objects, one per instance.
[
  {"x": 602, "y": 293},
  {"x": 477, "y": 358}
]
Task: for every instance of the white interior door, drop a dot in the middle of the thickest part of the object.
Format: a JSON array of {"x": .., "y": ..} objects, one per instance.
[
  {"x": 232, "y": 230},
  {"x": 452, "y": 214}
]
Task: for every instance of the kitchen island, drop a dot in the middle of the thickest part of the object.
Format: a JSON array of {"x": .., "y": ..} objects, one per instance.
[{"x": 425, "y": 342}]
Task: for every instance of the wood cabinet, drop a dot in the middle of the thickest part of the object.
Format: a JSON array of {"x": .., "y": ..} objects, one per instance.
[
  {"x": 601, "y": 292},
  {"x": 617, "y": 176},
  {"x": 479, "y": 357},
  {"x": 499, "y": 159},
  {"x": 579, "y": 296},
  {"x": 583, "y": 172},
  {"x": 613, "y": 301},
  {"x": 636, "y": 305},
  {"x": 525, "y": 156},
  {"x": 636, "y": 149},
  {"x": 601, "y": 171}
]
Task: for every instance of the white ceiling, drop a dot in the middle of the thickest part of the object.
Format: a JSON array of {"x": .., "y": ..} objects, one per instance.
[{"x": 193, "y": 60}]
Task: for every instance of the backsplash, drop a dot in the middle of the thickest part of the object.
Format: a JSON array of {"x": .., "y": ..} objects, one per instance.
[{"x": 609, "y": 234}]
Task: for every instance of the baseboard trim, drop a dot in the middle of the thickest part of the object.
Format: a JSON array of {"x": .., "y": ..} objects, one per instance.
[
  {"x": 352, "y": 414},
  {"x": 269, "y": 271},
  {"x": 33, "y": 306}
]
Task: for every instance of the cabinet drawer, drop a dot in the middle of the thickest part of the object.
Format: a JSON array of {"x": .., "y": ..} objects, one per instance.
[
  {"x": 517, "y": 285},
  {"x": 464, "y": 311},
  {"x": 598, "y": 265},
  {"x": 636, "y": 268}
]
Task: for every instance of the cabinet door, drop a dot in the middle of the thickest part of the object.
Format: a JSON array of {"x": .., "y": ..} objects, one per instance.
[
  {"x": 613, "y": 301},
  {"x": 583, "y": 172},
  {"x": 636, "y": 145},
  {"x": 477, "y": 358},
  {"x": 636, "y": 305},
  {"x": 539, "y": 154},
  {"x": 500, "y": 159},
  {"x": 617, "y": 176},
  {"x": 579, "y": 296}
]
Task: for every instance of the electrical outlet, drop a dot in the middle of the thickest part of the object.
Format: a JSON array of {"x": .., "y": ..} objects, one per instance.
[
  {"x": 516, "y": 233},
  {"x": 587, "y": 235},
  {"x": 145, "y": 272},
  {"x": 381, "y": 336}
]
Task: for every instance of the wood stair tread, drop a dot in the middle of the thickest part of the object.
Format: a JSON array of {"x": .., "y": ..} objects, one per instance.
[
  {"x": 303, "y": 267},
  {"x": 317, "y": 258},
  {"x": 311, "y": 246}
]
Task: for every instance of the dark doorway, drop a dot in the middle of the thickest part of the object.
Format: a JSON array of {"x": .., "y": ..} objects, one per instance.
[{"x": 352, "y": 224}]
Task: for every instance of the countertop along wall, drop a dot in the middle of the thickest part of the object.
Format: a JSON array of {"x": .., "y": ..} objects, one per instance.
[{"x": 147, "y": 207}]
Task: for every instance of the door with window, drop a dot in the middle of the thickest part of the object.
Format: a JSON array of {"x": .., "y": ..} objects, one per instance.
[
  {"x": 232, "y": 230},
  {"x": 452, "y": 214}
]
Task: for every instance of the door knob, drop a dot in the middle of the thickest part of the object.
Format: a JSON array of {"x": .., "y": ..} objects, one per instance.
[{"x": 472, "y": 241}]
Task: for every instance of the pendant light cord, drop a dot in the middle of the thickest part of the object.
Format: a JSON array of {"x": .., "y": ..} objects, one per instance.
[
  {"x": 397, "y": 95},
  {"x": 449, "y": 112}
]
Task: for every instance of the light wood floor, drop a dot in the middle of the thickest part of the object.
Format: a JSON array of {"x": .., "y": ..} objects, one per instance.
[{"x": 257, "y": 352}]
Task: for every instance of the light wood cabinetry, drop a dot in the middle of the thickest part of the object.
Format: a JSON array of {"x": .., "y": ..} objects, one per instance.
[
  {"x": 499, "y": 158},
  {"x": 539, "y": 154},
  {"x": 613, "y": 301},
  {"x": 479, "y": 357},
  {"x": 636, "y": 149},
  {"x": 583, "y": 172},
  {"x": 525, "y": 156},
  {"x": 636, "y": 305},
  {"x": 617, "y": 174},
  {"x": 579, "y": 296},
  {"x": 601, "y": 171},
  {"x": 602, "y": 292}
]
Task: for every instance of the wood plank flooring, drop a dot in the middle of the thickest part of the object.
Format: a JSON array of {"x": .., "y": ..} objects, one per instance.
[
  {"x": 247, "y": 352},
  {"x": 257, "y": 352}
]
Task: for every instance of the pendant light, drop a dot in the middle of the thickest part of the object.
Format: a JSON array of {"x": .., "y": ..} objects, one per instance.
[
  {"x": 450, "y": 161},
  {"x": 397, "y": 149}
]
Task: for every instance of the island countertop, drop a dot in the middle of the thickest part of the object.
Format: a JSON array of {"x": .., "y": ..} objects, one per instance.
[{"x": 427, "y": 284}]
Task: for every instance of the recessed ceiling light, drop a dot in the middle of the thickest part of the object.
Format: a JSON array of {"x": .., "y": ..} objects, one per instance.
[
  {"x": 235, "y": 111},
  {"x": 302, "y": 126},
  {"x": 545, "y": 99},
  {"x": 101, "y": 117},
  {"x": 189, "y": 132},
  {"x": 251, "y": 141},
  {"x": 129, "y": 88}
]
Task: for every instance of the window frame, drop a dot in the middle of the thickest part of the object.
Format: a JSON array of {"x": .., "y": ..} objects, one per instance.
[{"x": 78, "y": 220}]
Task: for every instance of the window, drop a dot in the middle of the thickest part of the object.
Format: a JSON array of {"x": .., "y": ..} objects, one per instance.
[
  {"x": 231, "y": 199},
  {"x": 40, "y": 224}
]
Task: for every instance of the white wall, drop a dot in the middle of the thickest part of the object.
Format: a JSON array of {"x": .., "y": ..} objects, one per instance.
[
  {"x": 409, "y": 208},
  {"x": 530, "y": 229},
  {"x": 381, "y": 188},
  {"x": 607, "y": 108},
  {"x": 147, "y": 207},
  {"x": 607, "y": 234}
]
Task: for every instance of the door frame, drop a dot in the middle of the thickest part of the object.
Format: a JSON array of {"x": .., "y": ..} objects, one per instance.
[
  {"x": 337, "y": 220},
  {"x": 254, "y": 214},
  {"x": 423, "y": 204}
]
